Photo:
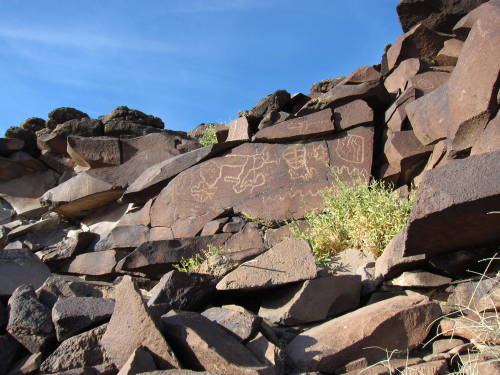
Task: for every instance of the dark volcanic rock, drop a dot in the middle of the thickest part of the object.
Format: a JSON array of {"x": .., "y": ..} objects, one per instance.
[
  {"x": 271, "y": 102},
  {"x": 438, "y": 15},
  {"x": 29, "y": 320},
  {"x": 459, "y": 194},
  {"x": 183, "y": 290},
  {"x": 123, "y": 113},
  {"x": 84, "y": 127},
  {"x": 19, "y": 267},
  {"x": 10, "y": 145},
  {"x": 27, "y": 136},
  {"x": 269, "y": 181},
  {"x": 8, "y": 350},
  {"x": 63, "y": 114},
  {"x": 74, "y": 315},
  {"x": 95, "y": 152},
  {"x": 243, "y": 324},
  {"x": 324, "y": 86},
  {"x": 33, "y": 124}
]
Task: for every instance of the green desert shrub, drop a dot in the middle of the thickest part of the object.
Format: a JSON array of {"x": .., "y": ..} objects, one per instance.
[
  {"x": 355, "y": 215},
  {"x": 209, "y": 136},
  {"x": 189, "y": 264}
]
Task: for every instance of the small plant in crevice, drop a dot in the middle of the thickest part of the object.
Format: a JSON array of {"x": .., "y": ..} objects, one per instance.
[
  {"x": 355, "y": 215},
  {"x": 189, "y": 264},
  {"x": 209, "y": 136}
]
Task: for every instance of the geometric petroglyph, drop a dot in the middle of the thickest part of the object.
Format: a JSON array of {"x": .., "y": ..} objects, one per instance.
[
  {"x": 295, "y": 157},
  {"x": 351, "y": 149},
  {"x": 210, "y": 174}
]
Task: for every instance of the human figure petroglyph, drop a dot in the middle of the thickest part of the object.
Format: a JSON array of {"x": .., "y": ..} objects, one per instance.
[
  {"x": 295, "y": 157},
  {"x": 351, "y": 149},
  {"x": 320, "y": 152}
]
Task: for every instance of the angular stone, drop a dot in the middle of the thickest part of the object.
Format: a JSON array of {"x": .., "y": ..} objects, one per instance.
[
  {"x": 19, "y": 267},
  {"x": 27, "y": 365},
  {"x": 214, "y": 226},
  {"x": 429, "y": 115},
  {"x": 8, "y": 351},
  {"x": 444, "y": 345},
  {"x": 264, "y": 350},
  {"x": 274, "y": 117},
  {"x": 221, "y": 264},
  {"x": 439, "y": 367},
  {"x": 239, "y": 130},
  {"x": 474, "y": 295},
  {"x": 133, "y": 115},
  {"x": 95, "y": 152},
  {"x": 347, "y": 262},
  {"x": 393, "y": 262},
  {"x": 396, "y": 81},
  {"x": 362, "y": 74},
  {"x": 457, "y": 195},
  {"x": 473, "y": 85},
  {"x": 63, "y": 114},
  {"x": 419, "y": 42},
  {"x": 27, "y": 136},
  {"x": 353, "y": 114},
  {"x": 405, "y": 153},
  {"x": 440, "y": 16},
  {"x": 84, "y": 127},
  {"x": 156, "y": 257},
  {"x": 324, "y": 86},
  {"x": 235, "y": 225},
  {"x": 140, "y": 361},
  {"x": 130, "y": 311},
  {"x": 10, "y": 145},
  {"x": 397, "y": 323},
  {"x": 289, "y": 261},
  {"x": 489, "y": 140},
  {"x": 207, "y": 346},
  {"x": 29, "y": 320},
  {"x": 51, "y": 142},
  {"x": 124, "y": 237},
  {"x": 156, "y": 177},
  {"x": 83, "y": 350},
  {"x": 471, "y": 326},
  {"x": 183, "y": 290},
  {"x": 248, "y": 238},
  {"x": 426, "y": 82},
  {"x": 271, "y": 102},
  {"x": 243, "y": 324},
  {"x": 450, "y": 52},
  {"x": 462, "y": 27},
  {"x": 269, "y": 181},
  {"x": 312, "y": 300},
  {"x": 73, "y": 315},
  {"x": 96, "y": 263},
  {"x": 67, "y": 248},
  {"x": 64, "y": 286},
  {"x": 24, "y": 193},
  {"x": 462, "y": 264},
  {"x": 419, "y": 279},
  {"x": 313, "y": 125}
]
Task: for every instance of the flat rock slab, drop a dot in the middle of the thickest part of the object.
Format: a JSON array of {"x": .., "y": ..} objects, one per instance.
[
  {"x": 312, "y": 300},
  {"x": 140, "y": 361},
  {"x": 354, "y": 113},
  {"x": 156, "y": 257},
  {"x": 309, "y": 126},
  {"x": 289, "y": 261},
  {"x": 83, "y": 350},
  {"x": 207, "y": 346},
  {"x": 459, "y": 194},
  {"x": 243, "y": 324},
  {"x": 29, "y": 320},
  {"x": 419, "y": 279},
  {"x": 154, "y": 178},
  {"x": 269, "y": 181},
  {"x": 97, "y": 263},
  {"x": 73, "y": 315},
  {"x": 95, "y": 152},
  {"x": 407, "y": 69},
  {"x": 239, "y": 130},
  {"x": 131, "y": 312},
  {"x": 397, "y": 323},
  {"x": 19, "y": 267},
  {"x": 183, "y": 290}
]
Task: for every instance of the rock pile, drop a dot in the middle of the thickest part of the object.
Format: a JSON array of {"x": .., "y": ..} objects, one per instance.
[{"x": 95, "y": 213}]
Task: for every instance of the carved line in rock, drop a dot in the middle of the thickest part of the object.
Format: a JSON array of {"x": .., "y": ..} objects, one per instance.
[{"x": 351, "y": 149}]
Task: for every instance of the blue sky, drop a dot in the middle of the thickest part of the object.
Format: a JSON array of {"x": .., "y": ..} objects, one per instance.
[{"x": 186, "y": 61}]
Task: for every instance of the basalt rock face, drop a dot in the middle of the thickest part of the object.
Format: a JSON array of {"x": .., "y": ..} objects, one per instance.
[{"x": 126, "y": 247}]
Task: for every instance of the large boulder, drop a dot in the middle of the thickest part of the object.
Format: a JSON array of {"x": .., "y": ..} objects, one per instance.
[
  {"x": 131, "y": 312},
  {"x": 269, "y": 181},
  {"x": 95, "y": 152},
  {"x": 63, "y": 114},
  {"x": 242, "y": 323},
  {"x": 19, "y": 267},
  {"x": 398, "y": 323},
  {"x": 460, "y": 194},
  {"x": 123, "y": 121},
  {"x": 438, "y": 15},
  {"x": 84, "y": 127}
]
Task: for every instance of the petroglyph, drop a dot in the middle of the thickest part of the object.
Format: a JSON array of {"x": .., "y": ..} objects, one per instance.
[
  {"x": 351, "y": 149},
  {"x": 206, "y": 188},
  {"x": 320, "y": 152},
  {"x": 295, "y": 157}
]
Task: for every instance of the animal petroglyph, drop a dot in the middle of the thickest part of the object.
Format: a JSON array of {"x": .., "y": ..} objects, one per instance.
[
  {"x": 295, "y": 157},
  {"x": 351, "y": 149},
  {"x": 206, "y": 188}
]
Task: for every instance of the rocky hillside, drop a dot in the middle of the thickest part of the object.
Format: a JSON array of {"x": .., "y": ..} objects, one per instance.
[{"x": 127, "y": 248}]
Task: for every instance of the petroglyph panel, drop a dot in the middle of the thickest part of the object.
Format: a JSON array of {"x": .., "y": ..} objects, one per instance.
[
  {"x": 271, "y": 181},
  {"x": 318, "y": 123}
]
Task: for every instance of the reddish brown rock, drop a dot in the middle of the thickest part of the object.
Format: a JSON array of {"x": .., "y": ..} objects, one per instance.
[
  {"x": 362, "y": 74},
  {"x": 17, "y": 165},
  {"x": 312, "y": 300},
  {"x": 426, "y": 82},
  {"x": 323, "y": 86},
  {"x": 207, "y": 346},
  {"x": 10, "y": 145},
  {"x": 239, "y": 130},
  {"x": 489, "y": 140},
  {"x": 419, "y": 279},
  {"x": 395, "y": 116},
  {"x": 269, "y": 181},
  {"x": 271, "y": 102},
  {"x": 462, "y": 27},
  {"x": 223, "y": 263},
  {"x": 438, "y": 367},
  {"x": 214, "y": 226},
  {"x": 429, "y": 116},
  {"x": 242, "y": 323},
  {"x": 131, "y": 312},
  {"x": 95, "y": 152},
  {"x": 449, "y": 54},
  {"x": 249, "y": 238},
  {"x": 264, "y": 350},
  {"x": 396, "y": 81},
  {"x": 353, "y": 114},
  {"x": 140, "y": 361},
  {"x": 419, "y": 42},
  {"x": 397, "y": 323},
  {"x": 457, "y": 195},
  {"x": 473, "y": 85},
  {"x": 96, "y": 263},
  {"x": 289, "y": 261},
  {"x": 471, "y": 325},
  {"x": 315, "y": 124},
  {"x": 52, "y": 142}
]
